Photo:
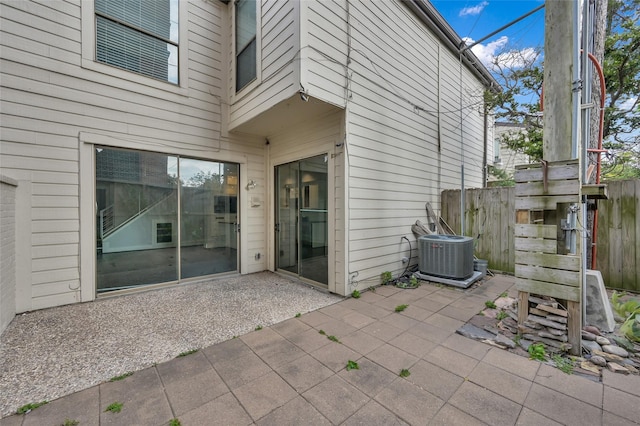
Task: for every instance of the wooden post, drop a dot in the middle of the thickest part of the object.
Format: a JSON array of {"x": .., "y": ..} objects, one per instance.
[
  {"x": 558, "y": 114},
  {"x": 558, "y": 68}
]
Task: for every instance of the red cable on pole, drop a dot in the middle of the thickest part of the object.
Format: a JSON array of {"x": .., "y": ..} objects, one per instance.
[{"x": 598, "y": 150}]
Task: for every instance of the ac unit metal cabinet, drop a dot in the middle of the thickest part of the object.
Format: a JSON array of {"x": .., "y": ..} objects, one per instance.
[{"x": 449, "y": 256}]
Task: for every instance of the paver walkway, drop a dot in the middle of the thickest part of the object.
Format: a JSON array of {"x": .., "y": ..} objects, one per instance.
[{"x": 291, "y": 374}]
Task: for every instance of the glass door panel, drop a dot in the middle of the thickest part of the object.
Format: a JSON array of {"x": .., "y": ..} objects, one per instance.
[
  {"x": 302, "y": 231},
  {"x": 313, "y": 219},
  {"x": 287, "y": 217},
  {"x": 137, "y": 218},
  {"x": 208, "y": 216},
  {"x": 141, "y": 234}
]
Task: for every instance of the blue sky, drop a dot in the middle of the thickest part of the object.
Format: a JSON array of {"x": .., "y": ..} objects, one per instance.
[{"x": 476, "y": 19}]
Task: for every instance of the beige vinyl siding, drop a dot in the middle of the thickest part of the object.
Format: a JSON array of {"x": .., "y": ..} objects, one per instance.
[
  {"x": 324, "y": 49},
  {"x": 316, "y": 137},
  {"x": 52, "y": 106},
  {"x": 278, "y": 73},
  {"x": 7, "y": 251},
  {"x": 405, "y": 95}
]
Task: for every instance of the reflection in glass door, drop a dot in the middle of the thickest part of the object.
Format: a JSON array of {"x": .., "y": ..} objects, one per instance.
[
  {"x": 162, "y": 218},
  {"x": 301, "y": 218},
  {"x": 208, "y": 217}
]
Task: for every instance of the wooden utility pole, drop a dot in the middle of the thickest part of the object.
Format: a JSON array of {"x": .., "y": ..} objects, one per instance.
[
  {"x": 548, "y": 252},
  {"x": 558, "y": 71}
]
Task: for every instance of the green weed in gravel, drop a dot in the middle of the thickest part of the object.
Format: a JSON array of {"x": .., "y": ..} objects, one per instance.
[
  {"x": 121, "y": 377},
  {"x": 31, "y": 406}
]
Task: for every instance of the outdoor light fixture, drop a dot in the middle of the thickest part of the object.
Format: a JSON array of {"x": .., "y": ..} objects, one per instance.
[{"x": 251, "y": 184}]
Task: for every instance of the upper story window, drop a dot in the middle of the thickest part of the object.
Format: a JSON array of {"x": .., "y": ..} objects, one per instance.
[
  {"x": 246, "y": 30},
  {"x": 139, "y": 36}
]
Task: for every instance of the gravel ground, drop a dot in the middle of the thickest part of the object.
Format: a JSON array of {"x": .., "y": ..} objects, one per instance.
[{"x": 53, "y": 352}]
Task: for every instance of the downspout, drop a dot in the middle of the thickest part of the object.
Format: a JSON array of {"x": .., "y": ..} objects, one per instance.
[
  {"x": 462, "y": 191},
  {"x": 486, "y": 148}
]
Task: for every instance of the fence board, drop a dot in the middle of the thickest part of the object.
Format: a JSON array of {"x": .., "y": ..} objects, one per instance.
[
  {"x": 536, "y": 231},
  {"x": 557, "y": 276},
  {"x": 536, "y": 244},
  {"x": 628, "y": 201},
  {"x": 533, "y": 172},
  {"x": 558, "y": 187},
  {"x": 549, "y": 289},
  {"x": 571, "y": 263},
  {"x": 618, "y": 242},
  {"x": 543, "y": 202}
]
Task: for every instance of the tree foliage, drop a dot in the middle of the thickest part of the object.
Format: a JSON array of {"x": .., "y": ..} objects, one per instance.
[
  {"x": 520, "y": 74},
  {"x": 622, "y": 75}
]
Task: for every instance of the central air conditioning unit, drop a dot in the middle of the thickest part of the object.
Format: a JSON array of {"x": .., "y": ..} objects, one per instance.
[{"x": 448, "y": 256}]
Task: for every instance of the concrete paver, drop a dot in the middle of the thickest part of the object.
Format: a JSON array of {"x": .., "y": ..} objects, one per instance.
[
  {"x": 374, "y": 413},
  {"x": 487, "y": 406},
  {"x": 336, "y": 399},
  {"x": 412, "y": 404},
  {"x": 290, "y": 373},
  {"x": 450, "y": 415},
  {"x": 560, "y": 407},
  {"x": 501, "y": 382},
  {"x": 574, "y": 386},
  {"x": 434, "y": 379},
  {"x": 82, "y": 406},
  {"x": 622, "y": 404}
]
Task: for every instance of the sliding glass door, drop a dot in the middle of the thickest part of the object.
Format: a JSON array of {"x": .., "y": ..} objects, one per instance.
[
  {"x": 301, "y": 218},
  {"x": 161, "y": 218}
]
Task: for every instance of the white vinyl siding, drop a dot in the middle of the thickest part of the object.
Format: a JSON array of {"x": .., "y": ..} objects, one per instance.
[
  {"x": 404, "y": 89},
  {"x": 324, "y": 50},
  {"x": 53, "y": 110},
  {"x": 7, "y": 251}
]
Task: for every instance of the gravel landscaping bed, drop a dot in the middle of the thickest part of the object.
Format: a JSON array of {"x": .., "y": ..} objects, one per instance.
[{"x": 53, "y": 352}]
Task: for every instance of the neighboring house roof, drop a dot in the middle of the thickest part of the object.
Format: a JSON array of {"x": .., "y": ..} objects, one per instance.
[
  {"x": 436, "y": 23},
  {"x": 509, "y": 125}
]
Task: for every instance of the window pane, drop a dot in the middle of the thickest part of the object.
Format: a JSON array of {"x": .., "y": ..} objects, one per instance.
[
  {"x": 137, "y": 238},
  {"x": 245, "y": 23},
  {"x": 153, "y": 16},
  {"x": 246, "y": 66},
  {"x": 131, "y": 50},
  {"x": 209, "y": 197}
]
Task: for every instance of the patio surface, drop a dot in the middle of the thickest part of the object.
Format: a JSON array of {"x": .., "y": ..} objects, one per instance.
[{"x": 290, "y": 373}]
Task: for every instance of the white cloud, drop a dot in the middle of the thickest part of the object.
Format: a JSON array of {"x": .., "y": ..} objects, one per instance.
[
  {"x": 474, "y": 10},
  {"x": 487, "y": 52},
  {"x": 494, "y": 53}
]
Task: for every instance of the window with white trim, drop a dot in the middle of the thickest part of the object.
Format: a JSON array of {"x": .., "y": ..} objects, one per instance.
[
  {"x": 140, "y": 36},
  {"x": 246, "y": 42}
]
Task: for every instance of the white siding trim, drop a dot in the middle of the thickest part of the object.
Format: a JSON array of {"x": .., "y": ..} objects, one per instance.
[
  {"x": 23, "y": 247},
  {"x": 87, "y": 222}
]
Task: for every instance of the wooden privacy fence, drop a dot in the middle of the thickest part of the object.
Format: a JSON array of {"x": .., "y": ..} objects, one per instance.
[{"x": 490, "y": 219}]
